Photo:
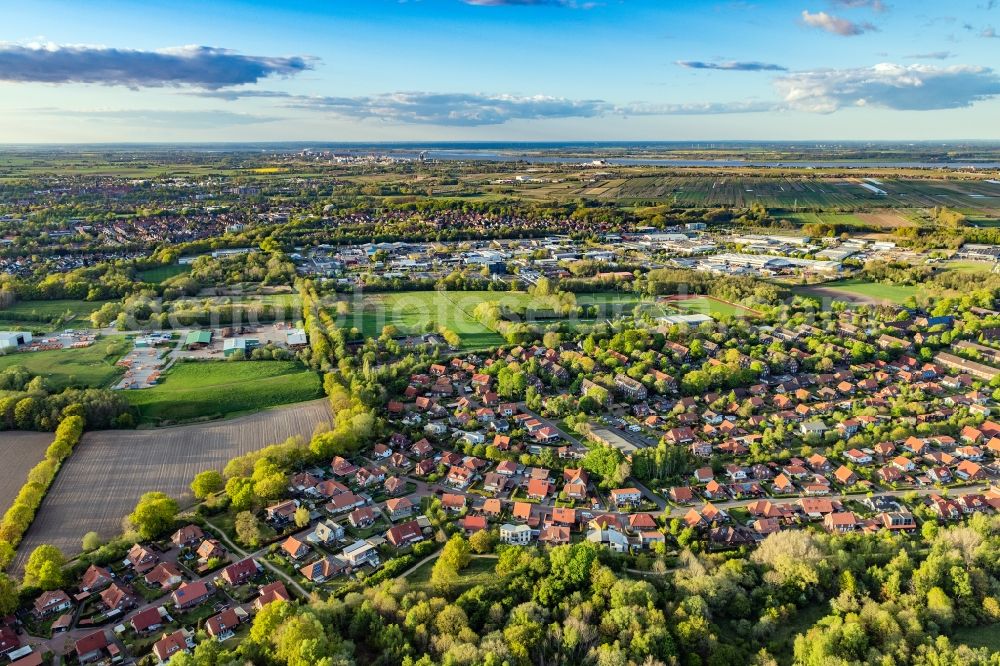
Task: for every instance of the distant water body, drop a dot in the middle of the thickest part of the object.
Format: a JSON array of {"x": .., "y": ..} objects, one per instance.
[
  {"x": 493, "y": 156},
  {"x": 922, "y": 155},
  {"x": 604, "y": 152}
]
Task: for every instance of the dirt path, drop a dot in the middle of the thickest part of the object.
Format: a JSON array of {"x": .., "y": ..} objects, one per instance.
[{"x": 257, "y": 554}]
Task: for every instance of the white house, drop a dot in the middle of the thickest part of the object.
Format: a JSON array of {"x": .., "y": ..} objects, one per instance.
[
  {"x": 610, "y": 537},
  {"x": 518, "y": 535}
]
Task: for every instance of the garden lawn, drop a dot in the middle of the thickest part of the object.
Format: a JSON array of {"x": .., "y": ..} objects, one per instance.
[
  {"x": 209, "y": 389},
  {"x": 91, "y": 367}
]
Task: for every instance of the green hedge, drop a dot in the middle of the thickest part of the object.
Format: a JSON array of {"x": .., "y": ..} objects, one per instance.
[{"x": 19, "y": 517}]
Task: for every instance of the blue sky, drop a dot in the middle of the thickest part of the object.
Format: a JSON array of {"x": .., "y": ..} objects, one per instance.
[{"x": 385, "y": 70}]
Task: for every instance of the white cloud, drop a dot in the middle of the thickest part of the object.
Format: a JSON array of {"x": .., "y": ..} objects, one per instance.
[
  {"x": 463, "y": 109},
  {"x": 835, "y": 24},
  {"x": 874, "y": 5},
  {"x": 890, "y": 86}
]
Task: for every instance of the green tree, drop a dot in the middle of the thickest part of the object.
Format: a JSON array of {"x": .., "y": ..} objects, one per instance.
[
  {"x": 8, "y": 595},
  {"x": 44, "y": 568},
  {"x": 301, "y": 516},
  {"x": 483, "y": 541},
  {"x": 239, "y": 490},
  {"x": 247, "y": 529},
  {"x": 91, "y": 541},
  {"x": 154, "y": 514},
  {"x": 206, "y": 483},
  {"x": 455, "y": 553}
]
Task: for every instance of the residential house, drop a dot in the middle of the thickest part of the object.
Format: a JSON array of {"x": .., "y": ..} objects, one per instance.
[
  {"x": 294, "y": 548},
  {"x": 241, "y": 572},
  {"x": 95, "y": 578},
  {"x": 625, "y": 496},
  {"x": 841, "y": 522},
  {"x": 91, "y": 647},
  {"x": 187, "y": 536},
  {"x": 327, "y": 532},
  {"x": 399, "y": 508},
  {"x": 271, "y": 592},
  {"x": 146, "y": 621},
  {"x": 51, "y": 602},
  {"x": 222, "y": 626},
  {"x": 140, "y": 558},
  {"x": 362, "y": 517},
  {"x": 323, "y": 569},
  {"x": 164, "y": 575},
  {"x": 171, "y": 644},
  {"x": 191, "y": 594},
  {"x": 518, "y": 535},
  {"x": 405, "y": 533}
]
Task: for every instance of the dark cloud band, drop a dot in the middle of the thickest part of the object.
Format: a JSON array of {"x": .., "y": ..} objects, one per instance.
[
  {"x": 733, "y": 66},
  {"x": 197, "y": 66}
]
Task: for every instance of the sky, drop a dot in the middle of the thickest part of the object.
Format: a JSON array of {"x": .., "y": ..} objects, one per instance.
[{"x": 498, "y": 70}]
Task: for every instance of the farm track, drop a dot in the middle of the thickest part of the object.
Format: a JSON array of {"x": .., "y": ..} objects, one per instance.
[
  {"x": 21, "y": 451},
  {"x": 109, "y": 470}
]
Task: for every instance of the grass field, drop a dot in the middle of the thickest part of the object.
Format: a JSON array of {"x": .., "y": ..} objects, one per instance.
[
  {"x": 158, "y": 275},
  {"x": 861, "y": 291},
  {"x": 822, "y": 218},
  {"x": 481, "y": 570},
  {"x": 21, "y": 451},
  {"x": 40, "y": 315},
  {"x": 214, "y": 389},
  {"x": 969, "y": 266},
  {"x": 415, "y": 312},
  {"x": 979, "y": 637},
  {"x": 92, "y": 366},
  {"x": 110, "y": 469}
]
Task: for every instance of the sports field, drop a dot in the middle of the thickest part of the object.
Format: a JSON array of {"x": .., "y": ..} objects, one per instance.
[
  {"x": 214, "y": 389},
  {"x": 92, "y": 366}
]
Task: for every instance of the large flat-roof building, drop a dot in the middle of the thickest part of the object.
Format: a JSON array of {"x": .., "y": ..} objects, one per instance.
[
  {"x": 980, "y": 370},
  {"x": 14, "y": 339}
]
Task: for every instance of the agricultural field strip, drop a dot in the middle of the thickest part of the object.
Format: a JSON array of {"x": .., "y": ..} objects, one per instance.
[
  {"x": 21, "y": 451},
  {"x": 109, "y": 470}
]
